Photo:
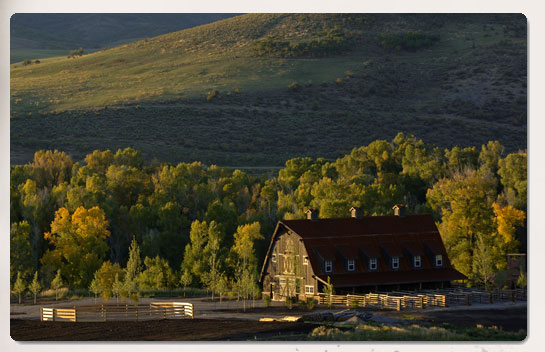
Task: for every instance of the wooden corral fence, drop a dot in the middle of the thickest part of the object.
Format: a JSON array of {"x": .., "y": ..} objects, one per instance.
[
  {"x": 399, "y": 300},
  {"x": 108, "y": 312}
]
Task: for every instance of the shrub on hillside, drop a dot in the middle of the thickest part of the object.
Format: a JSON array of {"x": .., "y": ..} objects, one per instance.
[
  {"x": 332, "y": 42},
  {"x": 409, "y": 41}
]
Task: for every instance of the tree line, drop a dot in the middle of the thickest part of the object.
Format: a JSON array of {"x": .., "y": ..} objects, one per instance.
[{"x": 207, "y": 226}]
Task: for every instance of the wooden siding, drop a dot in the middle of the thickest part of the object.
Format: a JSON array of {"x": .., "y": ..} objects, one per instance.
[{"x": 285, "y": 269}]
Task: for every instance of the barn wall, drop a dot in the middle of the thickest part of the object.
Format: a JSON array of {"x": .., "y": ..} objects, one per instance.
[{"x": 288, "y": 276}]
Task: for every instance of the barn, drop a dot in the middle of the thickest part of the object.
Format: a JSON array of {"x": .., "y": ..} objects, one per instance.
[{"x": 357, "y": 254}]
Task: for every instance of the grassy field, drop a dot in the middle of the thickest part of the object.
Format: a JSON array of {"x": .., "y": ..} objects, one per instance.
[{"x": 205, "y": 94}]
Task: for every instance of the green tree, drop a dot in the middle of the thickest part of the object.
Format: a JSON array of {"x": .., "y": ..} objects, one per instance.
[
  {"x": 157, "y": 274},
  {"x": 513, "y": 173},
  {"x": 490, "y": 156},
  {"x": 194, "y": 260},
  {"x": 329, "y": 292},
  {"x": 483, "y": 261},
  {"x": 117, "y": 287},
  {"x": 19, "y": 286},
  {"x": 50, "y": 168},
  {"x": 20, "y": 250},
  {"x": 186, "y": 279},
  {"x": 105, "y": 277},
  {"x": 132, "y": 271},
  {"x": 35, "y": 286},
  {"x": 57, "y": 283},
  {"x": 79, "y": 244},
  {"x": 93, "y": 287},
  {"x": 464, "y": 204},
  {"x": 246, "y": 269}
]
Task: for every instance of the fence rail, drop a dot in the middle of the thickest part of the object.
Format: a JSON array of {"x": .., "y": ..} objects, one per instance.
[
  {"x": 399, "y": 300},
  {"x": 106, "y": 312}
]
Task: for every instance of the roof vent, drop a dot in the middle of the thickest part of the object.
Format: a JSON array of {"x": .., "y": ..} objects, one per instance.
[
  {"x": 356, "y": 212},
  {"x": 399, "y": 210},
  {"x": 312, "y": 214}
]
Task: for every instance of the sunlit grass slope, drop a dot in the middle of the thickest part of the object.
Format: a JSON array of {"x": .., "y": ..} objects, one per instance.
[{"x": 470, "y": 83}]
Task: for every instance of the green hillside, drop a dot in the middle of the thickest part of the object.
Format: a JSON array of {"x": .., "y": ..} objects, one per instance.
[
  {"x": 258, "y": 89},
  {"x": 40, "y": 35}
]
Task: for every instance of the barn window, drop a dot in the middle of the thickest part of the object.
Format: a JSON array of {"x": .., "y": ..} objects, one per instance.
[
  {"x": 309, "y": 289},
  {"x": 417, "y": 261},
  {"x": 395, "y": 262},
  {"x": 273, "y": 258},
  {"x": 351, "y": 265},
  {"x": 438, "y": 260},
  {"x": 373, "y": 264},
  {"x": 328, "y": 266},
  {"x": 305, "y": 260}
]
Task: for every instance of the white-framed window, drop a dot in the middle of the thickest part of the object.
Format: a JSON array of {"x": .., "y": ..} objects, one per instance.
[
  {"x": 273, "y": 258},
  {"x": 373, "y": 264},
  {"x": 351, "y": 265},
  {"x": 328, "y": 266},
  {"x": 417, "y": 261},
  {"x": 305, "y": 260},
  {"x": 309, "y": 289},
  {"x": 395, "y": 262},
  {"x": 439, "y": 260}
]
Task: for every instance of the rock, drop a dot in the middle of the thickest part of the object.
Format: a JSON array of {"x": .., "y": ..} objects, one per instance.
[{"x": 354, "y": 320}]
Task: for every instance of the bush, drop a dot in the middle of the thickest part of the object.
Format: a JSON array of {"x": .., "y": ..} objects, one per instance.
[
  {"x": 27, "y": 62},
  {"x": 294, "y": 86},
  {"x": 211, "y": 95},
  {"x": 289, "y": 303},
  {"x": 311, "y": 303},
  {"x": 303, "y": 305},
  {"x": 522, "y": 281},
  {"x": 409, "y": 41},
  {"x": 76, "y": 52},
  {"x": 339, "y": 80},
  {"x": 267, "y": 300},
  {"x": 331, "y": 42}
]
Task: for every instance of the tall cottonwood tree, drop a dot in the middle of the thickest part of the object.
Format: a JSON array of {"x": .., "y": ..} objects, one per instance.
[
  {"x": 20, "y": 250},
  {"x": 79, "y": 244}
]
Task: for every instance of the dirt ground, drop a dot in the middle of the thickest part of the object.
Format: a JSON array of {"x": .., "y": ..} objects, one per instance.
[
  {"x": 228, "y": 321},
  {"x": 157, "y": 330}
]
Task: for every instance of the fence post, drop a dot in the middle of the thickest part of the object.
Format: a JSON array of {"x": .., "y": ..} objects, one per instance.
[
  {"x": 347, "y": 300},
  {"x": 490, "y": 300},
  {"x": 75, "y": 314},
  {"x": 467, "y": 300},
  {"x": 421, "y": 302},
  {"x": 54, "y": 313},
  {"x": 41, "y": 314},
  {"x": 398, "y": 304}
]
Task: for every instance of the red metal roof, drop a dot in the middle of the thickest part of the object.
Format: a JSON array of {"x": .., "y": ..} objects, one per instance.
[
  {"x": 373, "y": 237},
  {"x": 348, "y": 252},
  {"x": 393, "y": 250},
  {"x": 326, "y": 252},
  {"x": 367, "y": 225},
  {"x": 394, "y": 277}
]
